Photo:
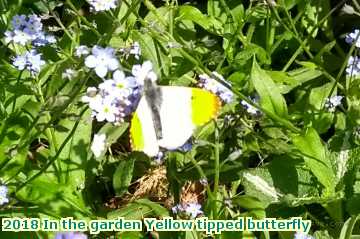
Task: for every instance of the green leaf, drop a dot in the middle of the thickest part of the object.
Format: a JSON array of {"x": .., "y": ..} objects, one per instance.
[
  {"x": 270, "y": 97},
  {"x": 270, "y": 185},
  {"x": 73, "y": 156},
  {"x": 322, "y": 235},
  {"x": 321, "y": 121},
  {"x": 314, "y": 154},
  {"x": 151, "y": 49},
  {"x": 12, "y": 159},
  {"x": 347, "y": 229},
  {"x": 139, "y": 209},
  {"x": 191, "y": 13},
  {"x": 113, "y": 132},
  {"x": 244, "y": 56},
  {"x": 53, "y": 198},
  {"x": 123, "y": 175},
  {"x": 287, "y": 81}
]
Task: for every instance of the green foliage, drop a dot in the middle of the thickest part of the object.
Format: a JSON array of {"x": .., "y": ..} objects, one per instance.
[{"x": 295, "y": 157}]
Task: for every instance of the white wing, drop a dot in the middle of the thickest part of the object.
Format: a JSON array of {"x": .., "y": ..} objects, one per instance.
[
  {"x": 148, "y": 136},
  {"x": 175, "y": 114}
]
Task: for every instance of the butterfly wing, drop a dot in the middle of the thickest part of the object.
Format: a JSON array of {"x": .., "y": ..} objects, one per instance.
[
  {"x": 142, "y": 130},
  {"x": 182, "y": 110}
]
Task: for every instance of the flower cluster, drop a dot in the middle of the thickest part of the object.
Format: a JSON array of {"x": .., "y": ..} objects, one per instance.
[
  {"x": 114, "y": 98},
  {"x": 353, "y": 67},
  {"x": 333, "y": 102},
  {"x": 30, "y": 60},
  {"x": 71, "y": 235},
  {"x": 191, "y": 209},
  {"x": 211, "y": 84},
  {"x": 26, "y": 29},
  {"x": 102, "y": 5},
  {"x": 3, "y": 195}
]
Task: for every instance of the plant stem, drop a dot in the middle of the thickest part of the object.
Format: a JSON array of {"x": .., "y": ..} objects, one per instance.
[
  {"x": 15, "y": 96},
  {"x": 217, "y": 173}
]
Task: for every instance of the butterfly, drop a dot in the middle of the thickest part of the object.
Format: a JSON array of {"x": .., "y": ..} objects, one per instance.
[{"x": 166, "y": 116}]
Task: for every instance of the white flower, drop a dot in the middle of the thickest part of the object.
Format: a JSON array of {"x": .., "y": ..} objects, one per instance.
[
  {"x": 69, "y": 73},
  {"x": 102, "y": 5},
  {"x": 34, "y": 61},
  {"x": 98, "y": 144},
  {"x": 302, "y": 235},
  {"x": 193, "y": 209},
  {"x": 3, "y": 195},
  {"x": 122, "y": 82},
  {"x": 20, "y": 62},
  {"x": 102, "y": 60},
  {"x": 348, "y": 9},
  {"x": 82, "y": 51},
  {"x": 144, "y": 71},
  {"x": 332, "y": 102},
  {"x": 107, "y": 110},
  {"x": 9, "y": 36},
  {"x": 203, "y": 181},
  {"x": 21, "y": 37}
]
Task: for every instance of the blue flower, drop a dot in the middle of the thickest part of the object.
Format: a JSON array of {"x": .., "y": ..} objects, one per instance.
[
  {"x": 31, "y": 61},
  {"x": 70, "y": 235},
  {"x": 212, "y": 85},
  {"x": 186, "y": 147},
  {"x": 28, "y": 29},
  {"x": 3, "y": 195},
  {"x": 102, "y": 60},
  {"x": 249, "y": 108},
  {"x": 177, "y": 209},
  {"x": 352, "y": 37}
]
